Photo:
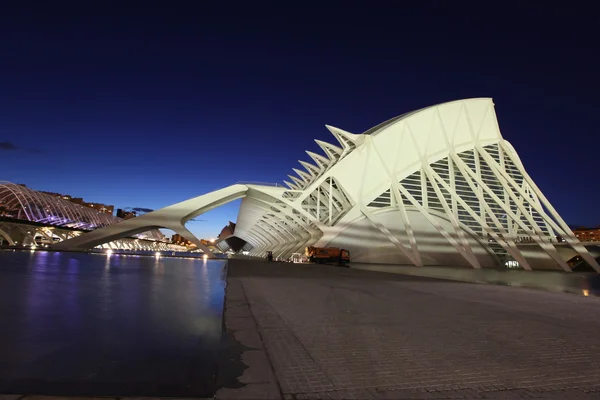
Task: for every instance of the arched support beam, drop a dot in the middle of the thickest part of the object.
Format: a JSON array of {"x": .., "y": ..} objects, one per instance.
[
  {"x": 6, "y": 236},
  {"x": 172, "y": 217}
]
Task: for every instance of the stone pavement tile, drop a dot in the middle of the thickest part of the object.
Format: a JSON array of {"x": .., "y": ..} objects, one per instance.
[
  {"x": 334, "y": 395},
  {"x": 239, "y": 323},
  {"x": 465, "y": 394},
  {"x": 259, "y": 369},
  {"x": 253, "y": 391},
  {"x": 67, "y": 398},
  {"x": 359, "y": 394},
  {"x": 235, "y": 297},
  {"x": 593, "y": 396},
  {"x": 249, "y": 338},
  {"x": 241, "y": 310},
  {"x": 566, "y": 394},
  {"x": 405, "y": 395},
  {"x": 576, "y": 393},
  {"x": 510, "y": 394},
  {"x": 295, "y": 369},
  {"x": 158, "y": 398},
  {"x": 328, "y": 330},
  {"x": 234, "y": 284},
  {"x": 237, "y": 301}
]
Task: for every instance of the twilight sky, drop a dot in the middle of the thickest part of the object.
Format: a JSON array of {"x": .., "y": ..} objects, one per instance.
[{"x": 145, "y": 105}]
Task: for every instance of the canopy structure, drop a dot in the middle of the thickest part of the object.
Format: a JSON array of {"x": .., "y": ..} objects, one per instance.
[
  {"x": 438, "y": 186},
  {"x": 22, "y": 203}
]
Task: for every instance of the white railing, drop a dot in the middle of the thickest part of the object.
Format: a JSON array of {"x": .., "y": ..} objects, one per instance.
[{"x": 260, "y": 183}]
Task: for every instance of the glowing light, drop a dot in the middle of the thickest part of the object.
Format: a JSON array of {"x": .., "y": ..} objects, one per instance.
[
  {"x": 109, "y": 252},
  {"x": 33, "y": 246},
  {"x": 157, "y": 254},
  {"x": 205, "y": 256},
  {"x": 586, "y": 292}
]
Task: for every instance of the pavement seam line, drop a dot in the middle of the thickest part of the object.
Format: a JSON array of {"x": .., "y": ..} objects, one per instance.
[
  {"x": 262, "y": 341},
  {"x": 297, "y": 339}
]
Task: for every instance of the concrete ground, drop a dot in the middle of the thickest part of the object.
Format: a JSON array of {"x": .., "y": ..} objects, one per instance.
[{"x": 305, "y": 331}]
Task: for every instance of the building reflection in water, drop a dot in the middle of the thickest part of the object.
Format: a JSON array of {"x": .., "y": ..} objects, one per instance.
[{"x": 89, "y": 319}]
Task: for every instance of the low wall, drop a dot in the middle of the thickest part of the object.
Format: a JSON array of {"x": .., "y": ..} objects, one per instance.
[{"x": 582, "y": 283}]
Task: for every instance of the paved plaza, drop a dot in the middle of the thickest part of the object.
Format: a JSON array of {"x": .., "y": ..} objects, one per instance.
[
  {"x": 297, "y": 332},
  {"x": 320, "y": 332}
]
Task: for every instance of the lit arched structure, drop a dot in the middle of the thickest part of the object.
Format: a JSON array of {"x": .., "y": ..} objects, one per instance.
[
  {"x": 437, "y": 186},
  {"x": 21, "y": 203}
]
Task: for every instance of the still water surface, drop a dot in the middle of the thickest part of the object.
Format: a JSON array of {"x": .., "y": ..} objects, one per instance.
[{"x": 91, "y": 324}]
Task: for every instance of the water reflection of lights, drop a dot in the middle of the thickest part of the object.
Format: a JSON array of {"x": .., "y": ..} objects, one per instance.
[
  {"x": 156, "y": 254},
  {"x": 204, "y": 271}
]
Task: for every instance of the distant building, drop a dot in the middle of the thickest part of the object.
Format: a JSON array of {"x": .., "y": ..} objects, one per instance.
[
  {"x": 232, "y": 242},
  {"x": 125, "y": 214},
  {"x": 60, "y": 196},
  {"x": 180, "y": 240},
  {"x": 103, "y": 208},
  {"x": 587, "y": 234}
]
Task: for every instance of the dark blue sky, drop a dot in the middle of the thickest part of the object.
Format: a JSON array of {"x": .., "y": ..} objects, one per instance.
[{"x": 147, "y": 105}]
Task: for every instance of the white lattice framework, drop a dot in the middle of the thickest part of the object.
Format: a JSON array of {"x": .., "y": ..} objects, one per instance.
[
  {"x": 24, "y": 234},
  {"x": 22, "y": 203},
  {"x": 442, "y": 171},
  {"x": 447, "y": 161}
]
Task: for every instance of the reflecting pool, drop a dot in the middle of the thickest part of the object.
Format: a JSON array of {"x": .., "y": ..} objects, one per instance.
[{"x": 93, "y": 324}]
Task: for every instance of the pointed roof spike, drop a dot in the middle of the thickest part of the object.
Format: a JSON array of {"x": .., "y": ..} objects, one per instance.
[
  {"x": 312, "y": 169},
  {"x": 297, "y": 181},
  {"x": 319, "y": 159},
  {"x": 328, "y": 145},
  {"x": 332, "y": 151},
  {"x": 346, "y": 138},
  {"x": 340, "y": 139},
  {"x": 340, "y": 132},
  {"x": 306, "y": 177},
  {"x": 290, "y": 185}
]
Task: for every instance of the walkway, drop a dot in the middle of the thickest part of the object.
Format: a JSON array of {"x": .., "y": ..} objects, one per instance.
[{"x": 326, "y": 332}]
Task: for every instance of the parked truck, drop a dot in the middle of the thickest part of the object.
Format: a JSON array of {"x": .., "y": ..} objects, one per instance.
[{"x": 323, "y": 255}]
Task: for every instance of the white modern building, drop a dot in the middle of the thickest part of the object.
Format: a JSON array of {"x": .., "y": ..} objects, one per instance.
[{"x": 433, "y": 187}]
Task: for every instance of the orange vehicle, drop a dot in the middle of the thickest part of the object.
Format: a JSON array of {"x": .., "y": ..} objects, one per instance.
[{"x": 322, "y": 255}]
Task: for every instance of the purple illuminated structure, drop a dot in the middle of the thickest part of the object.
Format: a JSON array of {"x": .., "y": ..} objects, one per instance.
[{"x": 22, "y": 203}]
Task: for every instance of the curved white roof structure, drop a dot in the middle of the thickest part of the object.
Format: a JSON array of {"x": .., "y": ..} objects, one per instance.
[
  {"x": 437, "y": 186},
  {"x": 22, "y": 203}
]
